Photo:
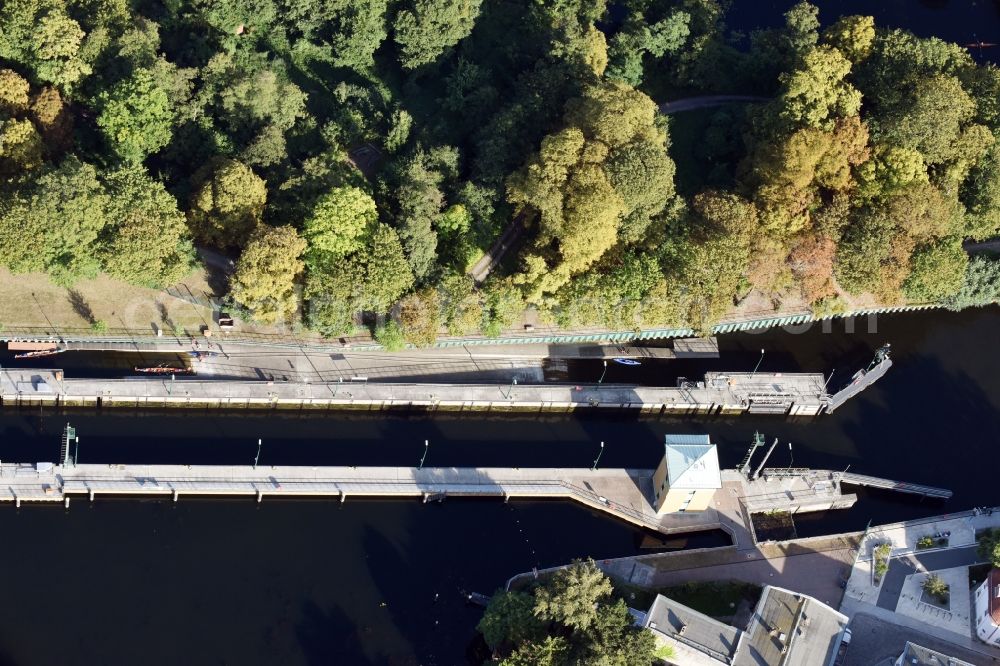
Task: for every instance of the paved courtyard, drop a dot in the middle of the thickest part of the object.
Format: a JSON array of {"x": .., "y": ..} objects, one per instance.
[{"x": 954, "y": 615}]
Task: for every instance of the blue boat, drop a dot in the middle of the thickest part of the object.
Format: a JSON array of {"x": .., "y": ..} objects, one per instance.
[{"x": 626, "y": 361}]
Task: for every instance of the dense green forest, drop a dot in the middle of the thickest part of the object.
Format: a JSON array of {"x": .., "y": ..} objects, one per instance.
[{"x": 132, "y": 131}]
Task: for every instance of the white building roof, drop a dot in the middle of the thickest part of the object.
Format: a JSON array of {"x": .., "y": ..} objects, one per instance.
[{"x": 692, "y": 463}]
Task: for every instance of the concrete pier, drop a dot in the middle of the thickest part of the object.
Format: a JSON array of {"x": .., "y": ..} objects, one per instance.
[
  {"x": 800, "y": 394},
  {"x": 624, "y": 494}
]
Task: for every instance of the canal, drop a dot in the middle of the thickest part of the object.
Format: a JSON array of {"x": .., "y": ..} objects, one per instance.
[{"x": 380, "y": 582}]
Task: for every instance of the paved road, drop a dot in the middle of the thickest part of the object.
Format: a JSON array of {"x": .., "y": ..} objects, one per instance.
[
  {"x": 706, "y": 101},
  {"x": 875, "y": 641},
  {"x": 510, "y": 238},
  {"x": 901, "y": 567},
  {"x": 982, "y": 246}
]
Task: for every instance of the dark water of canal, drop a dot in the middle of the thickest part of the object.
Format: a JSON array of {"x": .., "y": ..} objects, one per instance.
[{"x": 379, "y": 582}]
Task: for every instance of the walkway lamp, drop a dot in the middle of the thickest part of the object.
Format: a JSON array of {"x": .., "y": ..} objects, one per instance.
[
  {"x": 599, "y": 452},
  {"x": 510, "y": 391},
  {"x": 427, "y": 445},
  {"x": 756, "y": 367}
]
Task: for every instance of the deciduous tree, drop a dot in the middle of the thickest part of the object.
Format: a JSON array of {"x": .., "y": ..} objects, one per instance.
[
  {"x": 227, "y": 203},
  {"x": 427, "y": 28},
  {"x": 146, "y": 240},
  {"x": 937, "y": 271},
  {"x": 265, "y": 276},
  {"x": 54, "y": 223},
  {"x": 13, "y": 93},
  {"x": 420, "y": 316},
  {"x": 342, "y": 221},
  {"x": 136, "y": 117},
  {"x": 853, "y": 36},
  {"x": 20, "y": 147},
  {"x": 39, "y": 35}
]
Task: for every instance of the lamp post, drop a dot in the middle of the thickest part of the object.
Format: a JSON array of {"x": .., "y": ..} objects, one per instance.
[
  {"x": 601, "y": 380},
  {"x": 510, "y": 391},
  {"x": 791, "y": 456},
  {"x": 257, "y": 457},
  {"x": 599, "y": 452},
  {"x": 756, "y": 367},
  {"x": 427, "y": 445}
]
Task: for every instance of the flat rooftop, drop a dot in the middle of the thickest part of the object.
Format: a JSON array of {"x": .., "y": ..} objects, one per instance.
[{"x": 792, "y": 630}]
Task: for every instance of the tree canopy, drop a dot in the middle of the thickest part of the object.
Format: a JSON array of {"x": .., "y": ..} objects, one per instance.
[
  {"x": 570, "y": 618},
  {"x": 402, "y": 141}
]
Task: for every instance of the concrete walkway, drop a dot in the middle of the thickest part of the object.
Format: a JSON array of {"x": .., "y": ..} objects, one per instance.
[
  {"x": 814, "y": 566},
  {"x": 797, "y": 394}
]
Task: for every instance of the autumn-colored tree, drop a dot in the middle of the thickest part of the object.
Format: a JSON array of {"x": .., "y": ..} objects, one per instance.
[
  {"x": 420, "y": 316},
  {"x": 13, "y": 93},
  {"x": 227, "y": 203},
  {"x": 853, "y": 36},
  {"x": 713, "y": 263},
  {"x": 265, "y": 276},
  {"x": 811, "y": 261},
  {"x": 608, "y": 163},
  {"x": 53, "y": 120},
  {"x": 20, "y": 146}
]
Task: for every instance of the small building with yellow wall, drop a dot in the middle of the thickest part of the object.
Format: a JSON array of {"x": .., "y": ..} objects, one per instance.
[{"x": 688, "y": 475}]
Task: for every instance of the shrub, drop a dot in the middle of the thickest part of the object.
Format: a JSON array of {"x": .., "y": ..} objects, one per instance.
[
  {"x": 989, "y": 546},
  {"x": 881, "y": 566},
  {"x": 390, "y": 336},
  {"x": 925, "y": 542},
  {"x": 935, "y": 586}
]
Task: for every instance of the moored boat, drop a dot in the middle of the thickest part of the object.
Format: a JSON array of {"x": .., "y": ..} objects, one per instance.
[
  {"x": 164, "y": 370},
  {"x": 39, "y": 353}
]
